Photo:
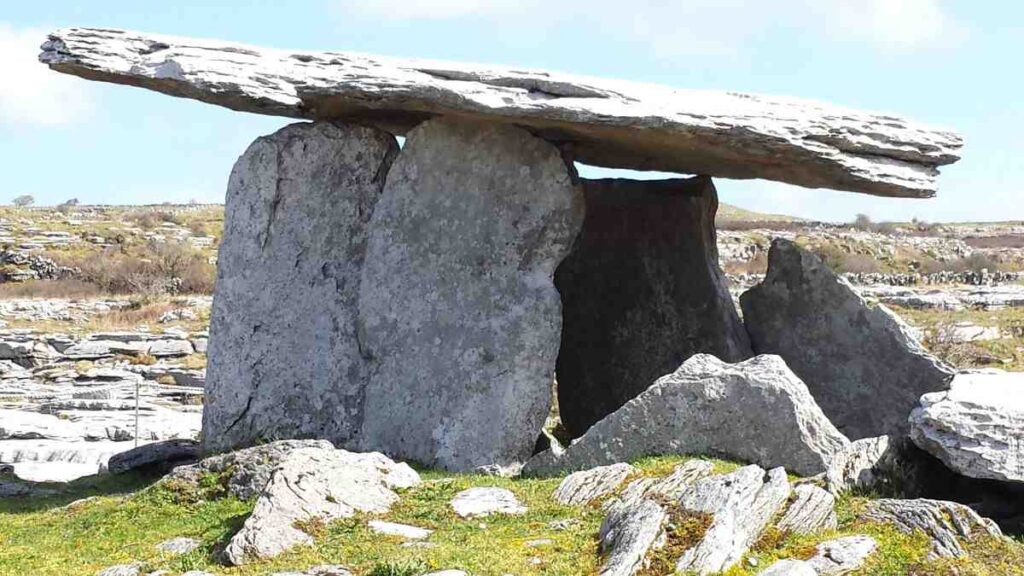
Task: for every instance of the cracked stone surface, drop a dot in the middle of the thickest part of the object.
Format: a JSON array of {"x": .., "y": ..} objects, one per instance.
[
  {"x": 587, "y": 486},
  {"x": 946, "y": 524},
  {"x": 458, "y": 311},
  {"x": 284, "y": 354},
  {"x": 308, "y": 484},
  {"x": 811, "y": 509},
  {"x": 608, "y": 123},
  {"x": 977, "y": 427}
]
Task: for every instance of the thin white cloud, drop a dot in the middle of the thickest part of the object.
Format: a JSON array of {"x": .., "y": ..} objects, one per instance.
[
  {"x": 698, "y": 27},
  {"x": 30, "y": 93}
]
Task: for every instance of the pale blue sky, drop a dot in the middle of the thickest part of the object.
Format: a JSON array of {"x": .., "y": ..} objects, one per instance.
[{"x": 950, "y": 63}]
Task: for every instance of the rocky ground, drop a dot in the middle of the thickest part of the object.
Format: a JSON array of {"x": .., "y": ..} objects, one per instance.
[{"x": 93, "y": 364}]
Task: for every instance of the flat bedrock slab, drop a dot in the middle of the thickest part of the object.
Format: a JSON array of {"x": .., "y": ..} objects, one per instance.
[
  {"x": 861, "y": 362},
  {"x": 459, "y": 318},
  {"x": 284, "y": 354},
  {"x": 753, "y": 411},
  {"x": 641, "y": 292},
  {"x": 609, "y": 123},
  {"x": 977, "y": 427}
]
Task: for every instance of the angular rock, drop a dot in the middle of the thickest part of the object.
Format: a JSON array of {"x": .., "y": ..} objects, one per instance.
[
  {"x": 861, "y": 362},
  {"x": 311, "y": 484},
  {"x": 860, "y": 465},
  {"x": 399, "y": 530},
  {"x": 284, "y": 353},
  {"x": 812, "y": 509},
  {"x": 248, "y": 470},
  {"x": 608, "y": 123},
  {"x": 977, "y": 427},
  {"x": 755, "y": 411},
  {"x": 946, "y": 524},
  {"x": 641, "y": 292},
  {"x": 742, "y": 504},
  {"x": 587, "y": 486},
  {"x": 458, "y": 313},
  {"x": 161, "y": 456},
  {"x": 628, "y": 534},
  {"x": 477, "y": 502}
]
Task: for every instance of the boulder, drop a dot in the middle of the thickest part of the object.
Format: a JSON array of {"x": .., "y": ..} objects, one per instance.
[
  {"x": 607, "y": 123},
  {"x": 587, "y": 486},
  {"x": 478, "y": 502},
  {"x": 860, "y": 361},
  {"x": 628, "y": 534},
  {"x": 458, "y": 313},
  {"x": 285, "y": 359},
  {"x": 741, "y": 505},
  {"x": 161, "y": 456},
  {"x": 312, "y": 484},
  {"x": 810, "y": 510},
  {"x": 248, "y": 470},
  {"x": 641, "y": 292},
  {"x": 754, "y": 411},
  {"x": 977, "y": 427},
  {"x": 946, "y": 524}
]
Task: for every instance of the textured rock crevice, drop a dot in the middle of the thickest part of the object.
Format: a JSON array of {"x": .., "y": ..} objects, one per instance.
[{"x": 641, "y": 292}]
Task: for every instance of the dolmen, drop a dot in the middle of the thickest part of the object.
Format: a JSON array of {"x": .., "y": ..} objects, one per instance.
[{"x": 419, "y": 299}]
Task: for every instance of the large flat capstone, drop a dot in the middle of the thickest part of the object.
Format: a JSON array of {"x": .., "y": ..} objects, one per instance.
[
  {"x": 608, "y": 123},
  {"x": 860, "y": 361},
  {"x": 459, "y": 315},
  {"x": 641, "y": 292}
]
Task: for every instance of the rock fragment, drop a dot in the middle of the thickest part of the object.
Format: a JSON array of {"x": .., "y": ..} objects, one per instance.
[
  {"x": 628, "y": 534},
  {"x": 977, "y": 427},
  {"x": 587, "y": 486},
  {"x": 479, "y": 502},
  {"x": 161, "y": 456}
]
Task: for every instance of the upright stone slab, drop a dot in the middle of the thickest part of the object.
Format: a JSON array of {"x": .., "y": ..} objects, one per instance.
[
  {"x": 458, "y": 311},
  {"x": 284, "y": 360},
  {"x": 860, "y": 361},
  {"x": 641, "y": 292}
]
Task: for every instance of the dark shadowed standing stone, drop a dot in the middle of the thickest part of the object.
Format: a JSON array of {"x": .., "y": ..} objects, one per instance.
[
  {"x": 860, "y": 361},
  {"x": 641, "y": 292},
  {"x": 459, "y": 315},
  {"x": 284, "y": 356}
]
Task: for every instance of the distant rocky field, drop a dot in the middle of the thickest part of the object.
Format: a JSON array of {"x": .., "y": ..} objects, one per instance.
[{"x": 104, "y": 314}]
